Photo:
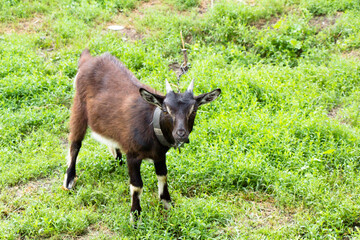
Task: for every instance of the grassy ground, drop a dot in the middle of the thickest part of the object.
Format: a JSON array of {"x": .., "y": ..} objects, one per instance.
[{"x": 277, "y": 156}]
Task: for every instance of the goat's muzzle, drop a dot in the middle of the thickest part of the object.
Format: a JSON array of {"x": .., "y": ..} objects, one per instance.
[{"x": 181, "y": 137}]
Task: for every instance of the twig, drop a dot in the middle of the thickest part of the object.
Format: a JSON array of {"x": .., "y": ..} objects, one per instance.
[
  {"x": 184, "y": 67},
  {"x": 182, "y": 39},
  {"x": 184, "y": 50}
]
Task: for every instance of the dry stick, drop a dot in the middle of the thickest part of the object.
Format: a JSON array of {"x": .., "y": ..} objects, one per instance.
[
  {"x": 182, "y": 39},
  {"x": 183, "y": 49},
  {"x": 183, "y": 66}
]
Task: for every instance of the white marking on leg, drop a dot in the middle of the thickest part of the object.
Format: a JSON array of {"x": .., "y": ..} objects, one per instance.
[
  {"x": 112, "y": 151},
  {"x": 68, "y": 158},
  {"x": 138, "y": 190},
  {"x": 134, "y": 189},
  {"x": 65, "y": 180},
  {"x": 71, "y": 183},
  {"x": 161, "y": 184}
]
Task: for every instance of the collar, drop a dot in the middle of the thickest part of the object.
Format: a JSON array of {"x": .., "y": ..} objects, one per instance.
[{"x": 157, "y": 129}]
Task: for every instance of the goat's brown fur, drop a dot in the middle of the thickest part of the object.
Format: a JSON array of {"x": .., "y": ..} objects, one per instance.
[{"x": 107, "y": 100}]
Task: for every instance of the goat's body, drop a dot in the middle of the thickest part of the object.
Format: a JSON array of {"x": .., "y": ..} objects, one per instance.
[{"x": 115, "y": 105}]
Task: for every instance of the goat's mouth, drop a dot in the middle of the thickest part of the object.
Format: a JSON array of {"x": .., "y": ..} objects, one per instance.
[{"x": 181, "y": 141}]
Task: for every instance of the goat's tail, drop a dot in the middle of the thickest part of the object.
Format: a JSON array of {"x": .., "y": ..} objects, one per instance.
[{"x": 85, "y": 55}]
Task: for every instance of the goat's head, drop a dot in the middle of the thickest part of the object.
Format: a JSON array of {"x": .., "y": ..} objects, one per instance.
[{"x": 179, "y": 109}]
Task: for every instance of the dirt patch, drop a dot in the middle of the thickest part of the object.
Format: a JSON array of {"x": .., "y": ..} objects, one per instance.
[
  {"x": 97, "y": 230},
  {"x": 176, "y": 68},
  {"x": 132, "y": 34},
  {"x": 31, "y": 187},
  {"x": 322, "y": 22},
  {"x": 351, "y": 54},
  {"x": 94, "y": 231},
  {"x": 126, "y": 20},
  {"x": 147, "y": 4},
  {"x": 23, "y": 26},
  {"x": 257, "y": 213},
  {"x": 252, "y": 3},
  {"x": 264, "y": 23},
  {"x": 13, "y": 200},
  {"x": 161, "y": 5},
  {"x": 319, "y": 22},
  {"x": 333, "y": 113},
  {"x": 205, "y": 5},
  {"x": 266, "y": 214},
  {"x": 128, "y": 32},
  {"x": 139, "y": 11}
]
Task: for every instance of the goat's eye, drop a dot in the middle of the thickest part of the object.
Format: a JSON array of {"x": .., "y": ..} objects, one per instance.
[{"x": 193, "y": 113}]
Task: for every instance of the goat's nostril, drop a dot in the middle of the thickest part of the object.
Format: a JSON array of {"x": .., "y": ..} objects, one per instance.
[{"x": 180, "y": 133}]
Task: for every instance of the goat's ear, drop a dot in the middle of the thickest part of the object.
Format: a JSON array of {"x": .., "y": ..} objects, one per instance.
[
  {"x": 152, "y": 98},
  {"x": 207, "y": 97}
]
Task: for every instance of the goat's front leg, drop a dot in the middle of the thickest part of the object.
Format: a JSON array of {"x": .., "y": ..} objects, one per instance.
[
  {"x": 136, "y": 187},
  {"x": 161, "y": 174}
]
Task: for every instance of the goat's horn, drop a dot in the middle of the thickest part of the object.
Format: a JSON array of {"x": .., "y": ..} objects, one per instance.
[
  {"x": 191, "y": 86},
  {"x": 168, "y": 87}
]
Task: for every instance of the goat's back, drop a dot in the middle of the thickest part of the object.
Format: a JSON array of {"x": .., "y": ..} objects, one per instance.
[{"x": 110, "y": 94}]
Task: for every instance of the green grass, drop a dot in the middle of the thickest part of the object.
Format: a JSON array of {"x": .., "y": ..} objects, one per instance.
[{"x": 276, "y": 156}]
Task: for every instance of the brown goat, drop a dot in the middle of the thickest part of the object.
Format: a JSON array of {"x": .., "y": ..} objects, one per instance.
[{"x": 110, "y": 100}]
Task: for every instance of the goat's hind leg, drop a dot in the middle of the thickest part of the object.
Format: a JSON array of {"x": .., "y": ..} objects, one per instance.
[
  {"x": 78, "y": 125},
  {"x": 117, "y": 155}
]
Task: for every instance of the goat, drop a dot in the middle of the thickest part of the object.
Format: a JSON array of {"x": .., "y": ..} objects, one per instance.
[{"x": 130, "y": 118}]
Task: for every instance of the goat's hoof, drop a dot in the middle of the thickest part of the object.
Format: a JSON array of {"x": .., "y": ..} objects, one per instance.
[
  {"x": 135, "y": 220},
  {"x": 64, "y": 188},
  {"x": 68, "y": 184},
  {"x": 167, "y": 204}
]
